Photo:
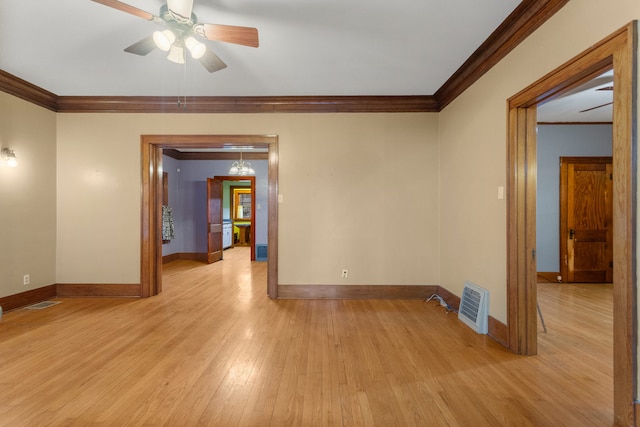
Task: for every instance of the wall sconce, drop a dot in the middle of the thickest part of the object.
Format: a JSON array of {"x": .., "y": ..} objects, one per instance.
[{"x": 10, "y": 157}]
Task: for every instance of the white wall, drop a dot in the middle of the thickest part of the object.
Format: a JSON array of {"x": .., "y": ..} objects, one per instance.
[
  {"x": 27, "y": 196},
  {"x": 473, "y": 144},
  {"x": 339, "y": 175}
]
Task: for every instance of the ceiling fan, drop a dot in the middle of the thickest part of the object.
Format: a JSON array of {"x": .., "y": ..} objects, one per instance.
[
  {"x": 606, "y": 88},
  {"x": 603, "y": 83},
  {"x": 182, "y": 31}
]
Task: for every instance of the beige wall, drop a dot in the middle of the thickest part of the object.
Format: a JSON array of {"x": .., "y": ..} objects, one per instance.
[
  {"x": 473, "y": 155},
  {"x": 360, "y": 191},
  {"x": 27, "y": 196}
]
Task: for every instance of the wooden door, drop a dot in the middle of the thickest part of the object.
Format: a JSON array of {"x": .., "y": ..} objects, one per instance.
[
  {"x": 214, "y": 220},
  {"x": 586, "y": 226}
]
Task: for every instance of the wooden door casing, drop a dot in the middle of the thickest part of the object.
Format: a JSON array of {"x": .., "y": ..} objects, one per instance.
[
  {"x": 586, "y": 225},
  {"x": 618, "y": 51}
]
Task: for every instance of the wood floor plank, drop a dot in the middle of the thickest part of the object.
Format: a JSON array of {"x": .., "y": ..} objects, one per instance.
[{"x": 213, "y": 350}]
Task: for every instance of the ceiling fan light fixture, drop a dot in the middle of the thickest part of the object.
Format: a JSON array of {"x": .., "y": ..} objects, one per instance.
[
  {"x": 164, "y": 39},
  {"x": 196, "y": 48},
  {"x": 176, "y": 54},
  {"x": 181, "y": 24}
]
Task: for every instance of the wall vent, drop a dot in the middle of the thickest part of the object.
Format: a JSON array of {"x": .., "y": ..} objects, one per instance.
[
  {"x": 474, "y": 307},
  {"x": 261, "y": 252}
]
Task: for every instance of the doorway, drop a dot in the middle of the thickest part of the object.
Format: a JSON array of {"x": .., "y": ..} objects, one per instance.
[
  {"x": 562, "y": 148},
  {"x": 241, "y": 234},
  {"x": 151, "y": 198},
  {"x": 617, "y": 52}
]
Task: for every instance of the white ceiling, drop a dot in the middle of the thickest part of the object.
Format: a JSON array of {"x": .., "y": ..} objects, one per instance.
[
  {"x": 586, "y": 103},
  {"x": 307, "y": 47}
]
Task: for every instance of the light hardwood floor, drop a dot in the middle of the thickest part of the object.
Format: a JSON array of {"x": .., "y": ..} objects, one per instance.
[{"x": 214, "y": 350}]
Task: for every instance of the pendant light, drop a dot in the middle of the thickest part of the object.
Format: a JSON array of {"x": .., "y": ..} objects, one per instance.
[{"x": 241, "y": 167}]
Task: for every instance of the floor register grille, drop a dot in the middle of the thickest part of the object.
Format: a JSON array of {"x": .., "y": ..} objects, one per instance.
[{"x": 42, "y": 305}]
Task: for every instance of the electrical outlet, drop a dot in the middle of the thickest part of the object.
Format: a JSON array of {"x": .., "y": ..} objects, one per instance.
[
  {"x": 26, "y": 279},
  {"x": 345, "y": 273}
]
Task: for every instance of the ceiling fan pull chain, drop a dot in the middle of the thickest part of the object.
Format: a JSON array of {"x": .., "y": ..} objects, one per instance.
[
  {"x": 182, "y": 87},
  {"x": 184, "y": 81}
]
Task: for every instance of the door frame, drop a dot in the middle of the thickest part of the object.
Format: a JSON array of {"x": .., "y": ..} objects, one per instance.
[
  {"x": 252, "y": 186},
  {"x": 617, "y": 52},
  {"x": 151, "y": 201},
  {"x": 565, "y": 161}
]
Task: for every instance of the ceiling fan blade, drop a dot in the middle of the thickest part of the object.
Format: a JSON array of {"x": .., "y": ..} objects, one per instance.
[
  {"x": 596, "y": 107},
  {"x": 127, "y": 8},
  {"x": 143, "y": 47},
  {"x": 593, "y": 84},
  {"x": 245, "y": 36},
  {"x": 183, "y": 8},
  {"x": 211, "y": 61}
]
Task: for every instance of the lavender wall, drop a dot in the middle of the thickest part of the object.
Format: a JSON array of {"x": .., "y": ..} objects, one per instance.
[
  {"x": 171, "y": 165},
  {"x": 187, "y": 198}
]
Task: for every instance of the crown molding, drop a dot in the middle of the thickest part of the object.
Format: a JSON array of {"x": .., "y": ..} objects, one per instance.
[
  {"x": 573, "y": 123},
  {"x": 215, "y": 104},
  {"x": 247, "y": 104},
  {"x": 205, "y": 155},
  {"x": 29, "y": 92},
  {"x": 523, "y": 21}
]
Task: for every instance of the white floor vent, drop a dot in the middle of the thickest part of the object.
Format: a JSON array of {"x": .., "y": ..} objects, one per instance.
[{"x": 474, "y": 307}]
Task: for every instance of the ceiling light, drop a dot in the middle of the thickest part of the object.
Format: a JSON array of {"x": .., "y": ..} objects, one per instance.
[
  {"x": 164, "y": 39},
  {"x": 10, "y": 157},
  {"x": 176, "y": 54},
  {"x": 241, "y": 167},
  {"x": 196, "y": 48}
]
